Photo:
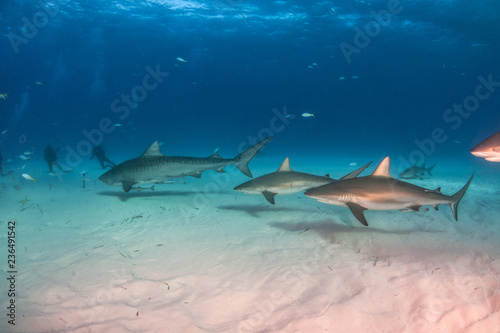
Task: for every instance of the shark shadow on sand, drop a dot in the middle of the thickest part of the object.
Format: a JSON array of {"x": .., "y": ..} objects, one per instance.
[
  {"x": 124, "y": 197},
  {"x": 254, "y": 210}
]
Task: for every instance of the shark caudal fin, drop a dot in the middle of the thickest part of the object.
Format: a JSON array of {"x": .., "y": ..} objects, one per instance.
[
  {"x": 356, "y": 173},
  {"x": 242, "y": 160},
  {"x": 429, "y": 170},
  {"x": 455, "y": 199}
]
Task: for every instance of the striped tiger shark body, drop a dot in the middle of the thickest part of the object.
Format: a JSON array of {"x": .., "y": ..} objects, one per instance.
[{"x": 154, "y": 167}]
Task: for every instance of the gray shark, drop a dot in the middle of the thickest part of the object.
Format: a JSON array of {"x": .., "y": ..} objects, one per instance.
[
  {"x": 154, "y": 167},
  {"x": 287, "y": 181},
  {"x": 380, "y": 191},
  {"x": 416, "y": 172},
  {"x": 488, "y": 149}
]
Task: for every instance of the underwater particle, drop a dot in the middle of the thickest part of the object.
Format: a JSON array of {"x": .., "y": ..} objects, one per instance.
[
  {"x": 314, "y": 64},
  {"x": 353, "y": 164},
  {"x": 118, "y": 125},
  {"x": 354, "y": 77},
  {"x": 342, "y": 78},
  {"x": 458, "y": 141},
  {"x": 307, "y": 115},
  {"x": 309, "y": 66},
  {"x": 181, "y": 59},
  {"x": 4, "y": 96},
  {"x": 4, "y": 131},
  {"x": 28, "y": 177},
  {"x": 38, "y": 83}
]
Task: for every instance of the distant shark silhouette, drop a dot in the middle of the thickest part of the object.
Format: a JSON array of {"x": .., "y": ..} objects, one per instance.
[
  {"x": 416, "y": 172},
  {"x": 287, "y": 181},
  {"x": 488, "y": 149},
  {"x": 380, "y": 191},
  {"x": 154, "y": 167}
]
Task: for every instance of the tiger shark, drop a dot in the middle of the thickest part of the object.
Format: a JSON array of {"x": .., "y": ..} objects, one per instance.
[
  {"x": 287, "y": 181},
  {"x": 380, "y": 191},
  {"x": 154, "y": 167},
  {"x": 488, "y": 149}
]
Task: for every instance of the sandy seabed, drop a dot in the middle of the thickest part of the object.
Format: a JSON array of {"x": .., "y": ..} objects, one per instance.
[{"x": 200, "y": 257}]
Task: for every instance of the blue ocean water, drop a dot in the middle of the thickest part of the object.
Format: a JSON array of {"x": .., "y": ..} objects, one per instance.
[{"x": 380, "y": 77}]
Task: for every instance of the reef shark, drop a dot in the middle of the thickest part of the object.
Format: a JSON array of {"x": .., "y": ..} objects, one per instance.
[
  {"x": 488, "y": 149},
  {"x": 416, "y": 172},
  {"x": 380, "y": 191},
  {"x": 287, "y": 181},
  {"x": 154, "y": 167}
]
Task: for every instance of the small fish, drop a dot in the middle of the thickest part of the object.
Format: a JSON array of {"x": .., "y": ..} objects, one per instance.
[
  {"x": 4, "y": 96},
  {"x": 4, "y": 131},
  {"x": 181, "y": 59},
  {"x": 140, "y": 189},
  {"x": 27, "y": 153},
  {"x": 25, "y": 200},
  {"x": 354, "y": 77},
  {"x": 353, "y": 164},
  {"x": 118, "y": 125},
  {"x": 23, "y": 157},
  {"x": 307, "y": 114},
  {"x": 26, "y": 176},
  {"x": 342, "y": 78},
  {"x": 38, "y": 83},
  {"x": 314, "y": 64}
]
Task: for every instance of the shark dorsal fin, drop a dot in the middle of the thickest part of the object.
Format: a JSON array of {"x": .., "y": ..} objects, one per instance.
[
  {"x": 215, "y": 155},
  {"x": 285, "y": 165},
  {"x": 383, "y": 168},
  {"x": 438, "y": 190},
  {"x": 153, "y": 150}
]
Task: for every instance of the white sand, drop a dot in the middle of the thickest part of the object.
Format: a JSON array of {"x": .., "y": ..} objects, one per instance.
[{"x": 200, "y": 257}]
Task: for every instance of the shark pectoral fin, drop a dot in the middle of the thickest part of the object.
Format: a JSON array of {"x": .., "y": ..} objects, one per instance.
[
  {"x": 357, "y": 211},
  {"x": 196, "y": 174},
  {"x": 269, "y": 196},
  {"x": 127, "y": 185}
]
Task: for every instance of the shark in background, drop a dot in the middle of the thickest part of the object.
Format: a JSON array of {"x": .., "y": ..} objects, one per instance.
[
  {"x": 154, "y": 167},
  {"x": 287, "y": 181},
  {"x": 416, "y": 172},
  {"x": 380, "y": 191},
  {"x": 488, "y": 149}
]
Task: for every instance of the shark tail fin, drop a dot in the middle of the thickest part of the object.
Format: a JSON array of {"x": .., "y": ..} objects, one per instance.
[
  {"x": 242, "y": 160},
  {"x": 455, "y": 199},
  {"x": 428, "y": 170},
  {"x": 355, "y": 173}
]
